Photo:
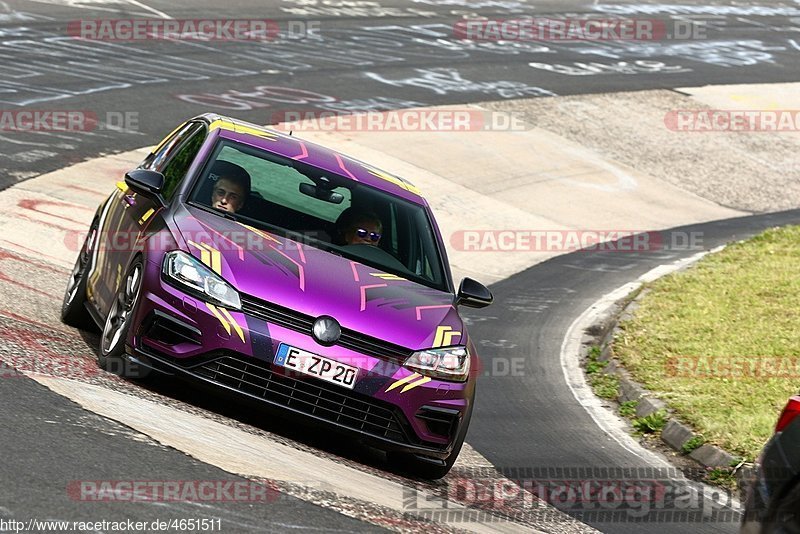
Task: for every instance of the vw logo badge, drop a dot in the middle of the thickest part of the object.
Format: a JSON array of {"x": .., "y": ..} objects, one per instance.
[{"x": 326, "y": 330}]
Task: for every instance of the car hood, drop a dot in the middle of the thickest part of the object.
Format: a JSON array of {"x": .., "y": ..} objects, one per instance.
[{"x": 315, "y": 282}]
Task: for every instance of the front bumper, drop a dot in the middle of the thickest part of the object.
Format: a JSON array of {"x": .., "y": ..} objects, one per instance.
[{"x": 389, "y": 407}]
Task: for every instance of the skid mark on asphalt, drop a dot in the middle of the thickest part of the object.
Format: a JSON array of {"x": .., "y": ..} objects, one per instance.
[
  {"x": 30, "y": 347},
  {"x": 12, "y": 275},
  {"x": 5, "y": 244},
  {"x": 536, "y": 301},
  {"x": 350, "y": 488},
  {"x": 37, "y": 205},
  {"x": 94, "y": 192},
  {"x": 49, "y": 224}
]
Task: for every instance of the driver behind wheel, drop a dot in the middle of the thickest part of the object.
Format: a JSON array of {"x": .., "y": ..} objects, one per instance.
[
  {"x": 231, "y": 187},
  {"x": 358, "y": 227}
]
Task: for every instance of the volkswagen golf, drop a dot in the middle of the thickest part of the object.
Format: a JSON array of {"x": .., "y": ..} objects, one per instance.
[{"x": 285, "y": 272}]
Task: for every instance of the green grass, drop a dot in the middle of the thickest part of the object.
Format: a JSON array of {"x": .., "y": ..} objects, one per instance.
[
  {"x": 594, "y": 366},
  {"x": 604, "y": 385},
  {"x": 652, "y": 423},
  {"x": 740, "y": 305},
  {"x": 692, "y": 444},
  {"x": 722, "y": 476},
  {"x": 628, "y": 408}
]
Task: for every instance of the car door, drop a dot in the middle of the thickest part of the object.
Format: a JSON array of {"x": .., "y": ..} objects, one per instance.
[{"x": 128, "y": 215}]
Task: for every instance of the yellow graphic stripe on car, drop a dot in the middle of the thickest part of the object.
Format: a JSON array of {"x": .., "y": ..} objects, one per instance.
[
  {"x": 209, "y": 256},
  {"x": 233, "y": 323},
  {"x": 216, "y": 261},
  {"x": 395, "y": 180},
  {"x": 423, "y": 380},
  {"x": 146, "y": 216},
  {"x": 398, "y": 383},
  {"x": 262, "y": 233},
  {"x": 164, "y": 141},
  {"x": 387, "y": 276},
  {"x": 219, "y": 123},
  {"x": 240, "y": 128},
  {"x": 255, "y": 131},
  {"x": 444, "y": 336},
  {"x": 222, "y": 320},
  {"x": 205, "y": 254}
]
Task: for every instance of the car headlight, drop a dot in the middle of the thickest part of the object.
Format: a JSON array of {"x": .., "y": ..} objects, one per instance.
[
  {"x": 189, "y": 273},
  {"x": 450, "y": 363}
]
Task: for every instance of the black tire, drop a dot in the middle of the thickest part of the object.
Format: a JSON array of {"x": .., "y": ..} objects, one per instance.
[
  {"x": 111, "y": 352},
  {"x": 73, "y": 307},
  {"x": 784, "y": 517},
  {"x": 425, "y": 469}
]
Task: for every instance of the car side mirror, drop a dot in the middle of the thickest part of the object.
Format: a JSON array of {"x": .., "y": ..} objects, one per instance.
[
  {"x": 145, "y": 182},
  {"x": 473, "y": 294}
]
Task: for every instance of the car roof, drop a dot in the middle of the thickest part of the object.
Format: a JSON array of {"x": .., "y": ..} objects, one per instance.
[{"x": 317, "y": 155}]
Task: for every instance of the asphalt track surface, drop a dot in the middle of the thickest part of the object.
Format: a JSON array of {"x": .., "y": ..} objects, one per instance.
[
  {"x": 378, "y": 56},
  {"x": 527, "y": 421},
  {"x": 55, "y": 440}
]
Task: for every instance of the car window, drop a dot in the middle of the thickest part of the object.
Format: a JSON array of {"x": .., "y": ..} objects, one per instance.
[
  {"x": 294, "y": 199},
  {"x": 157, "y": 158},
  {"x": 281, "y": 184},
  {"x": 181, "y": 157}
]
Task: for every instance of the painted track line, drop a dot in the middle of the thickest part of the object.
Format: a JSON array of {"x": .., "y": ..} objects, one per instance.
[
  {"x": 239, "y": 452},
  {"x": 613, "y": 425}
]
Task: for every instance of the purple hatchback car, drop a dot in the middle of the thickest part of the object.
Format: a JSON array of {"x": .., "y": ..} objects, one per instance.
[{"x": 289, "y": 274}]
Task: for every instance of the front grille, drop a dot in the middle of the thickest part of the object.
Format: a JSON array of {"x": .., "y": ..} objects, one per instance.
[
  {"x": 300, "y": 322},
  {"x": 277, "y": 314},
  {"x": 307, "y": 395}
]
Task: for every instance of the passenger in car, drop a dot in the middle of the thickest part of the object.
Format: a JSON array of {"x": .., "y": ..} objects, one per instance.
[
  {"x": 358, "y": 227},
  {"x": 231, "y": 186}
]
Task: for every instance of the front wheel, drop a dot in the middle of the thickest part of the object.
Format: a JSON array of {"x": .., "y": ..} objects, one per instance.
[
  {"x": 111, "y": 356},
  {"x": 73, "y": 307}
]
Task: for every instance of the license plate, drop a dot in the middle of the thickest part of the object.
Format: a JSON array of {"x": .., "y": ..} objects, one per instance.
[{"x": 312, "y": 364}]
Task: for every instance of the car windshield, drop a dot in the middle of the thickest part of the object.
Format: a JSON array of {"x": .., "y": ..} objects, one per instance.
[{"x": 323, "y": 210}]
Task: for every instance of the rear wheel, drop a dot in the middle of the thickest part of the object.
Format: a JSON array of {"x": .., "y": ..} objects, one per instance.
[
  {"x": 111, "y": 355},
  {"x": 785, "y": 517},
  {"x": 73, "y": 307}
]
